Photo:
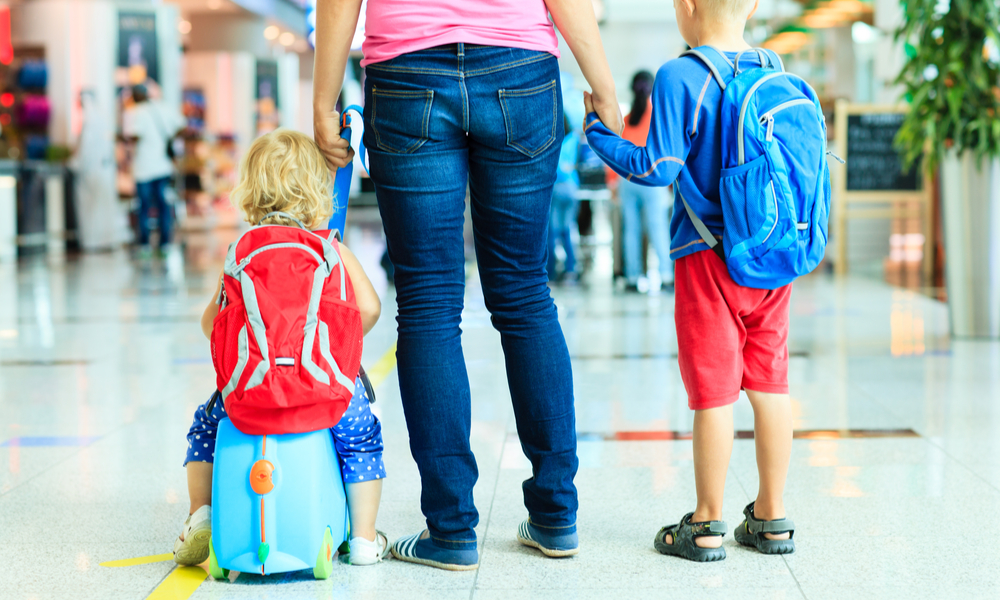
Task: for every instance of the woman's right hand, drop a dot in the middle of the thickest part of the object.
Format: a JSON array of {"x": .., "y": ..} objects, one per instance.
[{"x": 335, "y": 149}]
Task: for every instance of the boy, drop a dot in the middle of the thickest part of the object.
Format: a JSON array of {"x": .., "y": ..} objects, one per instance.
[
  {"x": 729, "y": 337},
  {"x": 284, "y": 171}
]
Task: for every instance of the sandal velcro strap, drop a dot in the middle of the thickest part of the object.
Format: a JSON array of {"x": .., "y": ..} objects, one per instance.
[
  {"x": 775, "y": 526},
  {"x": 709, "y": 528},
  {"x": 755, "y": 525}
]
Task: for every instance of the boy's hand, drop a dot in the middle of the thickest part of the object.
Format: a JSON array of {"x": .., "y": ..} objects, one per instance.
[
  {"x": 608, "y": 112},
  {"x": 335, "y": 149}
]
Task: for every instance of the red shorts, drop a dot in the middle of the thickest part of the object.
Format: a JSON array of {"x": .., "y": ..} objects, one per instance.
[{"x": 728, "y": 336}]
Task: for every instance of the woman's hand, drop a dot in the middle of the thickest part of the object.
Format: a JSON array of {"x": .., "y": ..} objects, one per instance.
[
  {"x": 335, "y": 149},
  {"x": 609, "y": 112}
]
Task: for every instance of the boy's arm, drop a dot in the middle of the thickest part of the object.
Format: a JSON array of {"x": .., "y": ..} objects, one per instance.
[
  {"x": 211, "y": 311},
  {"x": 668, "y": 143},
  {"x": 364, "y": 292}
]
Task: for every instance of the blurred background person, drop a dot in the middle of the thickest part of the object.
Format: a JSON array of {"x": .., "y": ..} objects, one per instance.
[
  {"x": 101, "y": 222},
  {"x": 152, "y": 127},
  {"x": 643, "y": 208},
  {"x": 562, "y": 213}
]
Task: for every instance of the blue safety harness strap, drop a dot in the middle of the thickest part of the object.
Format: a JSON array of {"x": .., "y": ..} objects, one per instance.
[{"x": 342, "y": 179}]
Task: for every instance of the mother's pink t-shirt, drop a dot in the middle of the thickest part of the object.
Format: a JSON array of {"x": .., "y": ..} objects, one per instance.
[{"x": 395, "y": 27}]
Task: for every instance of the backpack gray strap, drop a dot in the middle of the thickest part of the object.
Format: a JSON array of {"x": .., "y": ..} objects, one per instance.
[
  {"x": 278, "y": 213},
  {"x": 324, "y": 350},
  {"x": 242, "y": 356},
  {"x": 775, "y": 59},
  {"x": 723, "y": 56},
  {"x": 312, "y": 324},
  {"x": 258, "y": 329},
  {"x": 711, "y": 66},
  {"x": 703, "y": 230}
]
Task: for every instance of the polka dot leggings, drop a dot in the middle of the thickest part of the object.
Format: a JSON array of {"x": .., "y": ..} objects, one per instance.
[{"x": 358, "y": 437}]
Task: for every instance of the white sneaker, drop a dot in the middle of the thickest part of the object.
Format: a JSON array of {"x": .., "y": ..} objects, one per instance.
[
  {"x": 366, "y": 552},
  {"x": 197, "y": 532}
]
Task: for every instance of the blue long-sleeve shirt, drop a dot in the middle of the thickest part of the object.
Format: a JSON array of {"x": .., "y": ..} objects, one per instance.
[{"x": 683, "y": 146}]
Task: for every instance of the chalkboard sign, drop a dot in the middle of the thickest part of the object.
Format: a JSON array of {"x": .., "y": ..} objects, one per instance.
[{"x": 873, "y": 164}]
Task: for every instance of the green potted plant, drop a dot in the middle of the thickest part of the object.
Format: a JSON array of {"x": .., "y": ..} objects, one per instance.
[{"x": 952, "y": 82}]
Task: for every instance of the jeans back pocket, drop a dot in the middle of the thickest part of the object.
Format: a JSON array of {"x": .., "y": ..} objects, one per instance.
[
  {"x": 401, "y": 119},
  {"x": 530, "y": 117}
]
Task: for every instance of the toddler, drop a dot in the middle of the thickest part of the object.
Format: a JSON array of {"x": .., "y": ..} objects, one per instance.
[
  {"x": 284, "y": 171},
  {"x": 729, "y": 337}
]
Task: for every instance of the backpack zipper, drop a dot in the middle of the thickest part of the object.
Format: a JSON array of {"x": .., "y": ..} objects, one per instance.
[
  {"x": 768, "y": 117},
  {"x": 746, "y": 104},
  {"x": 246, "y": 260}
]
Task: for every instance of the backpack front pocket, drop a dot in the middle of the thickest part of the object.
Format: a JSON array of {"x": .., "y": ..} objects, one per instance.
[{"x": 749, "y": 208}]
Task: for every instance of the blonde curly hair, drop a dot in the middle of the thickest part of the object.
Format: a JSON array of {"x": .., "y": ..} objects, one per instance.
[{"x": 284, "y": 171}]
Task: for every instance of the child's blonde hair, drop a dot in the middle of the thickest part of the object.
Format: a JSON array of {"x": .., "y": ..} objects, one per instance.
[
  {"x": 284, "y": 171},
  {"x": 733, "y": 11}
]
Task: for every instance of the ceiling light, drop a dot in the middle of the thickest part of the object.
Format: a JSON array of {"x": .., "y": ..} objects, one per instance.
[
  {"x": 271, "y": 32},
  {"x": 287, "y": 38},
  {"x": 184, "y": 27}
]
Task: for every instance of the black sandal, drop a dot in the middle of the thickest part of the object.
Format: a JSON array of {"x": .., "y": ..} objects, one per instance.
[
  {"x": 683, "y": 535},
  {"x": 751, "y": 533}
]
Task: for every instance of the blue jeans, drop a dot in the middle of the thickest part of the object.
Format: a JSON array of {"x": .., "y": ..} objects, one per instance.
[
  {"x": 150, "y": 193},
  {"x": 652, "y": 203},
  {"x": 490, "y": 118},
  {"x": 562, "y": 219}
]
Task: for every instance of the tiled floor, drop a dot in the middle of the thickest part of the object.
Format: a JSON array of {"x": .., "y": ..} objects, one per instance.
[{"x": 102, "y": 363}]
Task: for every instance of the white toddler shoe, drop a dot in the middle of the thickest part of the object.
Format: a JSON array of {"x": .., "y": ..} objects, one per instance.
[
  {"x": 367, "y": 552},
  {"x": 197, "y": 532}
]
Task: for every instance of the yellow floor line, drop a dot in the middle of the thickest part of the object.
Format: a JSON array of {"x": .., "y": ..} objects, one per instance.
[
  {"x": 142, "y": 560},
  {"x": 383, "y": 367},
  {"x": 180, "y": 584}
]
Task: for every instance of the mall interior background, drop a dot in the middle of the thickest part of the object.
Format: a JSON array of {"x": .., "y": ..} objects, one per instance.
[
  {"x": 102, "y": 363},
  {"x": 241, "y": 68}
]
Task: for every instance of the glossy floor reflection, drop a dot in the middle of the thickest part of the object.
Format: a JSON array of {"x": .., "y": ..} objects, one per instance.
[{"x": 102, "y": 363}]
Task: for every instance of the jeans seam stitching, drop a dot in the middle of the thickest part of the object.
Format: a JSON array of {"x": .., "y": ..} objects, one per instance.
[
  {"x": 517, "y": 63},
  {"x": 414, "y": 70}
]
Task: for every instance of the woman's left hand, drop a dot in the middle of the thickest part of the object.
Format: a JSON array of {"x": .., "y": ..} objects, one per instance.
[{"x": 335, "y": 149}]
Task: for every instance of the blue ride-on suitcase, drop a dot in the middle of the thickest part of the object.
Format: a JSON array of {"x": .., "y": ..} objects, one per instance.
[{"x": 278, "y": 503}]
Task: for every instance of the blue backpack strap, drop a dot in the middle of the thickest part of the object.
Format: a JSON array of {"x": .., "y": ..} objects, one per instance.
[{"x": 716, "y": 61}]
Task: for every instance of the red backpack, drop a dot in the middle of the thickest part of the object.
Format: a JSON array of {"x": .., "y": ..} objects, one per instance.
[{"x": 287, "y": 342}]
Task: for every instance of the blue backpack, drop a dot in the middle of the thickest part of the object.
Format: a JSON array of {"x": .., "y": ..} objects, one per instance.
[{"x": 775, "y": 181}]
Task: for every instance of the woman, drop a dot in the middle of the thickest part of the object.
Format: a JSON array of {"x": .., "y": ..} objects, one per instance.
[
  {"x": 642, "y": 205},
  {"x": 464, "y": 94}
]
